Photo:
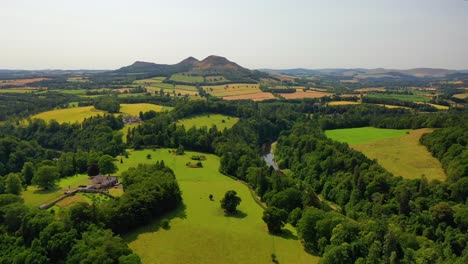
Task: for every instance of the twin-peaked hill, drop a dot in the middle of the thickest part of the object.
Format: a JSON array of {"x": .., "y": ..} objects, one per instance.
[{"x": 210, "y": 66}]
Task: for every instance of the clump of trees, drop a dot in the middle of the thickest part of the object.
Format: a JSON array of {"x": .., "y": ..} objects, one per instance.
[
  {"x": 275, "y": 219},
  {"x": 230, "y": 202},
  {"x": 107, "y": 103}
]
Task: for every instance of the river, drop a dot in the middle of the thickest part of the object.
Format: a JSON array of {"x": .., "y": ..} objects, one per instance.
[{"x": 269, "y": 157}]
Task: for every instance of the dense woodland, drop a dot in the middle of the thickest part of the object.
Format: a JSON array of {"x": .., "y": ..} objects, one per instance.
[{"x": 346, "y": 208}]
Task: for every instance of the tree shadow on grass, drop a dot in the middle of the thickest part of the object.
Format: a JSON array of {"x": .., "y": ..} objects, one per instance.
[
  {"x": 238, "y": 214},
  {"x": 47, "y": 191},
  {"x": 157, "y": 224},
  {"x": 286, "y": 234}
]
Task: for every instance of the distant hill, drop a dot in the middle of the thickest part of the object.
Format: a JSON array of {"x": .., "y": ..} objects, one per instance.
[
  {"x": 210, "y": 66},
  {"x": 369, "y": 73}
]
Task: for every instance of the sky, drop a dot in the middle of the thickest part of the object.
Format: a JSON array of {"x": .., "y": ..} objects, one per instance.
[{"x": 109, "y": 34}]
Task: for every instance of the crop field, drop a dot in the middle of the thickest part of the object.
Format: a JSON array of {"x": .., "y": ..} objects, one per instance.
[
  {"x": 259, "y": 96},
  {"x": 343, "y": 103},
  {"x": 371, "y": 89},
  {"x": 199, "y": 232},
  {"x": 36, "y": 197},
  {"x": 70, "y": 115},
  {"x": 209, "y": 121},
  {"x": 232, "y": 89},
  {"x": 11, "y": 90},
  {"x": 307, "y": 94},
  {"x": 150, "y": 81},
  {"x": 396, "y": 151},
  {"x": 401, "y": 97},
  {"x": 186, "y": 78},
  {"x": 461, "y": 96}
]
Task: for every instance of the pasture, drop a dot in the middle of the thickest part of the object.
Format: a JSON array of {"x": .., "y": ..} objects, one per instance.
[
  {"x": 363, "y": 134},
  {"x": 221, "y": 121},
  {"x": 199, "y": 232},
  {"x": 461, "y": 96},
  {"x": 135, "y": 109},
  {"x": 398, "y": 152}
]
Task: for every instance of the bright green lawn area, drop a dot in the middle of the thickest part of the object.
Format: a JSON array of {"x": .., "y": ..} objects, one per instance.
[
  {"x": 401, "y": 97},
  {"x": 363, "y": 134},
  {"x": 199, "y": 232},
  {"x": 184, "y": 78},
  {"x": 209, "y": 121},
  {"x": 35, "y": 197}
]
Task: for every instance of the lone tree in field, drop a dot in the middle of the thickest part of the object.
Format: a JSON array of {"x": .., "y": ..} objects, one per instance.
[
  {"x": 106, "y": 165},
  {"x": 275, "y": 218},
  {"x": 230, "y": 202},
  {"x": 46, "y": 177}
]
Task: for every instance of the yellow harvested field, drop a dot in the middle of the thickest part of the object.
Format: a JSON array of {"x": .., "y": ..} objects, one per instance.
[
  {"x": 253, "y": 96},
  {"x": 461, "y": 96},
  {"x": 232, "y": 89},
  {"x": 393, "y": 106},
  {"x": 371, "y": 89},
  {"x": 307, "y": 94},
  {"x": 343, "y": 103}
]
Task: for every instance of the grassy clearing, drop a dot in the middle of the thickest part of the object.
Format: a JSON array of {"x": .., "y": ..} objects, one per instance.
[
  {"x": 404, "y": 156},
  {"x": 70, "y": 115},
  {"x": 186, "y": 78},
  {"x": 199, "y": 232},
  {"x": 401, "y": 97},
  {"x": 461, "y": 96},
  {"x": 209, "y": 121},
  {"x": 364, "y": 134},
  {"x": 18, "y": 90},
  {"x": 34, "y": 196}
]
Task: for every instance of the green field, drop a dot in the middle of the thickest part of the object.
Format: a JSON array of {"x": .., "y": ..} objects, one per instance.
[
  {"x": 398, "y": 152},
  {"x": 401, "y": 97},
  {"x": 363, "y": 134},
  {"x": 209, "y": 121},
  {"x": 36, "y": 197},
  {"x": 199, "y": 232},
  {"x": 178, "y": 77},
  {"x": 135, "y": 109}
]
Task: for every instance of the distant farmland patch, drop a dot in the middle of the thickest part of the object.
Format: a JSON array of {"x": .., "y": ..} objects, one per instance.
[
  {"x": 461, "y": 96},
  {"x": 185, "y": 77},
  {"x": 20, "y": 82},
  {"x": 307, "y": 94},
  {"x": 232, "y": 89},
  {"x": 401, "y": 97},
  {"x": 221, "y": 121},
  {"x": 396, "y": 151},
  {"x": 371, "y": 89},
  {"x": 259, "y": 96},
  {"x": 342, "y": 103}
]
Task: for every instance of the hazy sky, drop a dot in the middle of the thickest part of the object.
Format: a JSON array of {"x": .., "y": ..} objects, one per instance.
[{"x": 108, "y": 34}]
